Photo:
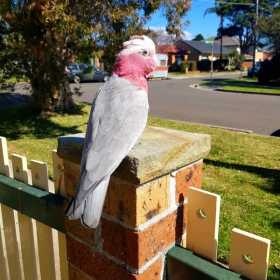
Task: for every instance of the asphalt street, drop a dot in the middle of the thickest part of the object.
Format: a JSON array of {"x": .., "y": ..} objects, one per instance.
[{"x": 175, "y": 99}]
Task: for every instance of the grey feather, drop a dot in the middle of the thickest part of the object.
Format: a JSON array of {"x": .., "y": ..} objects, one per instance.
[{"x": 117, "y": 119}]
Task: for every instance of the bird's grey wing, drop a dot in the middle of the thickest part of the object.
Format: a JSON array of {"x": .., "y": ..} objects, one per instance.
[
  {"x": 109, "y": 150},
  {"x": 119, "y": 127}
]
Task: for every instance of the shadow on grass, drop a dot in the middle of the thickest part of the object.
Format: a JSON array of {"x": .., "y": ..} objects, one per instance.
[
  {"x": 276, "y": 133},
  {"x": 274, "y": 273},
  {"x": 22, "y": 121},
  {"x": 10, "y": 99},
  {"x": 272, "y": 175},
  {"x": 276, "y": 225}
]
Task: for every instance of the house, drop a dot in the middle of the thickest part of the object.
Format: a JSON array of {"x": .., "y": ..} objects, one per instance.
[
  {"x": 179, "y": 50},
  {"x": 190, "y": 51},
  {"x": 231, "y": 44},
  {"x": 173, "y": 52},
  {"x": 198, "y": 50}
]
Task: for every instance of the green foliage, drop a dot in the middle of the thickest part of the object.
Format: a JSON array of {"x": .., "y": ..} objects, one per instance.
[
  {"x": 269, "y": 70},
  {"x": 235, "y": 60},
  {"x": 198, "y": 37},
  {"x": 270, "y": 28},
  {"x": 38, "y": 39},
  {"x": 241, "y": 18},
  {"x": 184, "y": 67}
]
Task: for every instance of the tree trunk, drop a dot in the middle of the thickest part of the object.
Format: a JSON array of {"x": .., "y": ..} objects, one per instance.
[
  {"x": 65, "y": 101},
  {"x": 48, "y": 97}
]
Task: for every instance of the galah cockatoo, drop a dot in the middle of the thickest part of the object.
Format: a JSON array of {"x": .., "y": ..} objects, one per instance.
[{"x": 117, "y": 119}]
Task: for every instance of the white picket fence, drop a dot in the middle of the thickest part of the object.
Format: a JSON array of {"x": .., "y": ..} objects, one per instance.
[{"x": 30, "y": 249}]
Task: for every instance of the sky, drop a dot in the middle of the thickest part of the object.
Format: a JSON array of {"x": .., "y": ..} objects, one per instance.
[{"x": 207, "y": 25}]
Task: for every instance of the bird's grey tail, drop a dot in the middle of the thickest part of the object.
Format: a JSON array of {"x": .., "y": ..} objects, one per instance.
[{"x": 90, "y": 210}]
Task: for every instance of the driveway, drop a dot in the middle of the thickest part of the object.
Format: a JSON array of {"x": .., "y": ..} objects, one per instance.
[{"x": 175, "y": 99}]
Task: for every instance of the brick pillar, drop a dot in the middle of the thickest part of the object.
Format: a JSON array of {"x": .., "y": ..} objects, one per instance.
[{"x": 145, "y": 208}]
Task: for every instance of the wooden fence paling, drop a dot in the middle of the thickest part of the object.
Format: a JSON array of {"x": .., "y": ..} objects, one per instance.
[
  {"x": 26, "y": 239},
  {"x": 5, "y": 170},
  {"x": 4, "y": 272},
  {"x": 8, "y": 225},
  {"x": 30, "y": 249},
  {"x": 203, "y": 223},
  {"x": 40, "y": 179},
  {"x": 11, "y": 243},
  {"x": 58, "y": 236},
  {"x": 249, "y": 254},
  {"x": 5, "y": 167}
]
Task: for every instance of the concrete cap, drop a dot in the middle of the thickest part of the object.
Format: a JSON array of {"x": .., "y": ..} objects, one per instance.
[{"x": 159, "y": 151}]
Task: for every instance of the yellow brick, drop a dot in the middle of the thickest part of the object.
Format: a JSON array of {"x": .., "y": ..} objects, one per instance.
[
  {"x": 71, "y": 175},
  {"x": 134, "y": 205},
  {"x": 152, "y": 199},
  {"x": 121, "y": 201}
]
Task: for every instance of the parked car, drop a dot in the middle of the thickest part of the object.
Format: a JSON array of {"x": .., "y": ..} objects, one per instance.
[
  {"x": 84, "y": 73},
  {"x": 73, "y": 71}
]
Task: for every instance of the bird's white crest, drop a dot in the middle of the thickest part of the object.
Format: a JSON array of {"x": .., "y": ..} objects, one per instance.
[{"x": 139, "y": 44}]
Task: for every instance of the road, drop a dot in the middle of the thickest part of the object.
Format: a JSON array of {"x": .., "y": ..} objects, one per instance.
[{"x": 175, "y": 99}]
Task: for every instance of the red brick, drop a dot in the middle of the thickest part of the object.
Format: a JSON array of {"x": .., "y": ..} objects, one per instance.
[
  {"x": 98, "y": 267},
  {"x": 152, "y": 273},
  {"x": 93, "y": 263},
  {"x": 76, "y": 274},
  {"x": 190, "y": 176},
  {"x": 83, "y": 233},
  {"x": 136, "y": 248}
]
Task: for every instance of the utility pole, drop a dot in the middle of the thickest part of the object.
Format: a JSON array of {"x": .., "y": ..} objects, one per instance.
[
  {"x": 212, "y": 42},
  {"x": 212, "y": 61},
  {"x": 256, "y": 34}
]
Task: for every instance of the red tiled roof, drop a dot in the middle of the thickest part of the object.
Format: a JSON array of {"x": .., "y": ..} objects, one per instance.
[{"x": 167, "y": 49}]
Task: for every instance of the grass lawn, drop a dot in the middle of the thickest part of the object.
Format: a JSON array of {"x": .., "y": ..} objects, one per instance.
[
  {"x": 242, "y": 168},
  {"x": 243, "y": 86}
]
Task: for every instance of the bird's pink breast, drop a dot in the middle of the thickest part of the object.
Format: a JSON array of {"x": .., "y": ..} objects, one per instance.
[{"x": 135, "y": 68}]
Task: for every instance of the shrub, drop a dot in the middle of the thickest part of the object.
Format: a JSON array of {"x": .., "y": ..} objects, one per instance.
[
  {"x": 220, "y": 64},
  {"x": 192, "y": 66},
  {"x": 184, "y": 67},
  {"x": 204, "y": 65},
  {"x": 174, "y": 67},
  {"x": 269, "y": 70}
]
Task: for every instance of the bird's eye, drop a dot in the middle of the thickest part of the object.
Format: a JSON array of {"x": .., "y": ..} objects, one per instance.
[{"x": 144, "y": 52}]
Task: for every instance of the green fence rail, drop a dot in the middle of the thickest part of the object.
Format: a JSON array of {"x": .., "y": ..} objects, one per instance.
[
  {"x": 41, "y": 205},
  {"x": 184, "y": 264}
]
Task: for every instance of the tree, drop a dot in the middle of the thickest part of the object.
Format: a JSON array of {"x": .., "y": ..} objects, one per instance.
[
  {"x": 198, "y": 37},
  {"x": 41, "y": 37},
  {"x": 219, "y": 10},
  {"x": 270, "y": 29},
  {"x": 241, "y": 18}
]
